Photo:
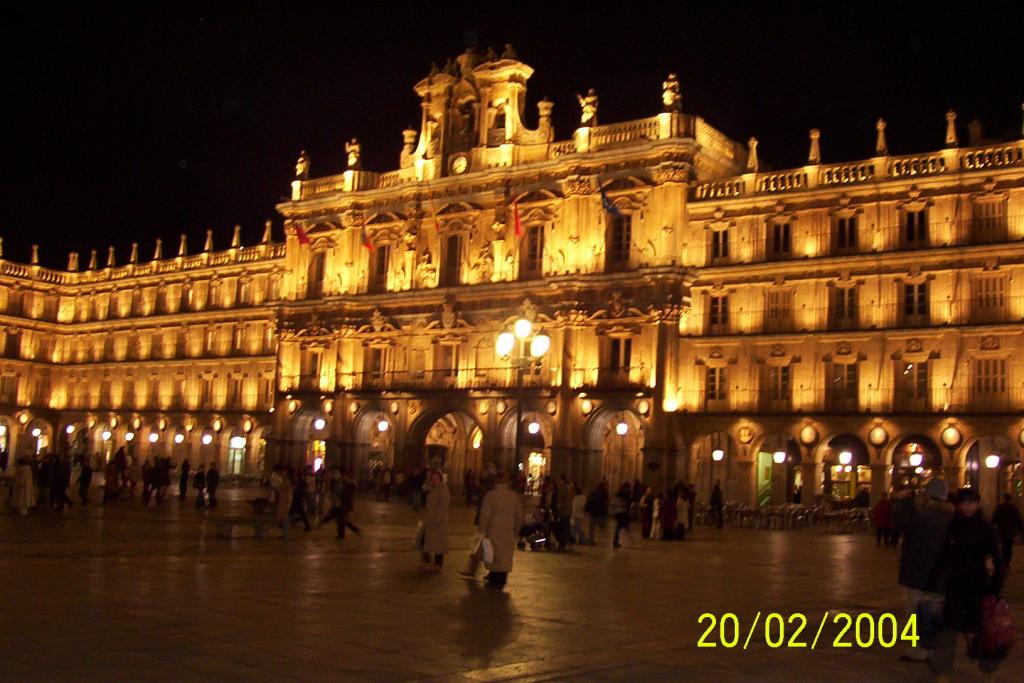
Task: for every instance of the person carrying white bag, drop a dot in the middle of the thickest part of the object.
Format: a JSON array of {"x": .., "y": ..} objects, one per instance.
[{"x": 501, "y": 518}]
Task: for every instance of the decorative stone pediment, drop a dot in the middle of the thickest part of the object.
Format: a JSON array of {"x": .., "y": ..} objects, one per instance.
[
  {"x": 447, "y": 318},
  {"x": 990, "y": 343}
]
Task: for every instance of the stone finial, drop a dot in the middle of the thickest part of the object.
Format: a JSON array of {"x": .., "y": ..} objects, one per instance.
[
  {"x": 183, "y": 245},
  {"x": 951, "y": 140},
  {"x": 267, "y": 228},
  {"x": 72, "y": 261},
  {"x": 208, "y": 245},
  {"x": 881, "y": 147},
  {"x": 814, "y": 156},
  {"x": 353, "y": 154},
  {"x": 670, "y": 98},
  {"x": 158, "y": 251},
  {"x": 544, "y": 108},
  {"x": 35, "y": 255},
  {"x": 134, "y": 258},
  {"x": 752, "y": 155},
  {"x": 588, "y": 108},
  {"x": 236, "y": 238},
  {"x": 92, "y": 260},
  {"x": 110, "y": 257}
]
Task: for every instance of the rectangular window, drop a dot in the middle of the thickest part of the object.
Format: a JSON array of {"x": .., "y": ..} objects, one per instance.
[
  {"x": 448, "y": 360},
  {"x": 238, "y": 339},
  {"x": 618, "y": 240},
  {"x": 128, "y": 393},
  {"x": 715, "y": 384},
  {"x": 153, "y": 392},
  {"x": 989, "y": 377},
  {"x": 315, "y": 276},
  {"x": 777, "y": 390},
  {"x": 206, "y": 392},
  {"x": 780, "y": 242},
  {"x": 532, "y": 254},
  {"x": 235, "y": 392},
  {"x": 842, "y": 387},
  {"x": 375, "y": 362},
  {"x": 989, "y": 222},
  {"x": 844, "y": 308},
  {"x": 778, "y": 310},
  {"x": 915, "y": 229},
  {"x": 718, "y": 314},
  {"x": 915, "y": 304},
  {"x": 990, "y": 300},
  {"x": 267, "y": 391},
  {"x": 379, "y": 261},
  {"x": 451, "y": 271},
  {"x": 846, "y": 234},
  {"x": 418, "y": 362},
  {"x": 8, "y": 388},
  {"x": 719, "y": 245}
]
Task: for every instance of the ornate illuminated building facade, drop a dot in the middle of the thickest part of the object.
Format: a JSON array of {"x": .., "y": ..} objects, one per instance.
[{"x": 831, "y": 328}]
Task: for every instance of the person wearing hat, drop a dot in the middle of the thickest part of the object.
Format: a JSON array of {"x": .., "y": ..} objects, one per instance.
[
  {"x": 970, "y": 568},
  {"x": 922, "y": 520}
]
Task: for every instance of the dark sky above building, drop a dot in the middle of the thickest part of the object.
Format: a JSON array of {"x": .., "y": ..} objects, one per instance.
[{"x": 127, "y": 123}]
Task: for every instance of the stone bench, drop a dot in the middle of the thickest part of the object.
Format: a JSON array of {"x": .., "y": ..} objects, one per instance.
[{"x": 225, "y": 525}]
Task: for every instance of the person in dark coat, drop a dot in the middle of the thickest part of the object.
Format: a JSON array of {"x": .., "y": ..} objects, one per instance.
[
  {"x": 597, "y": 509},
  {"x": 342, "y": 488},
  {"x": 646, "y": 512},
  {"x": 669, "y": 516},
  {"x": 212, "y": 482},
  {"x": 199, "y": 484},
  {"x": 59, "y": 482},
  {"x": 922, "y": 521},
  {"x": 970, "y": 568},
  {"x": 298, "y": 506},
  {"x": 717, "y": 505},
  {"x": 148, "y": 472},
  {"x": 881, "y": 517},
  {"x": 183, "y": 479},
  {"x": 84, "y": 481},
  {"x": 44, "y": 477},
  {"x": 1007, "y": 521}
]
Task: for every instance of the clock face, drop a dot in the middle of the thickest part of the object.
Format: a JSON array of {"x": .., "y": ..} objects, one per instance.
[{"x": 460, "y": 164}]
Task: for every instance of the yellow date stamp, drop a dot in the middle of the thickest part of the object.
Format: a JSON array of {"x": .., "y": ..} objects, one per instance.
[{"x": 796, "y": 631}]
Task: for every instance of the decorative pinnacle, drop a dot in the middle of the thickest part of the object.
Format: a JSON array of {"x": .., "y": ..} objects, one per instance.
[
  {"x": 881, "y": 147},
  {"x": 814, "y": 156}
]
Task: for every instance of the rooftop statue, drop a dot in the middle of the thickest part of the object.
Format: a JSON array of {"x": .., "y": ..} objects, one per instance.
[
  {"x": 354, "y": 151},
  {"x": 510, "y": 52},
  {"x": 588, "y": 117},
  {"x": 670, "y": 93},
  {"x": 302, "y": 166}
]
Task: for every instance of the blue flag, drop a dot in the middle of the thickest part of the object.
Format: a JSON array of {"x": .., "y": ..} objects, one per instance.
[{"x": 608, "y": 206}]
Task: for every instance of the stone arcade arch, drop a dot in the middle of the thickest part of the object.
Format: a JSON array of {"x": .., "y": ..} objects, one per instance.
[
  {"x": 310, "y": 434},
  {"x": 373, "y": 435},
  {"x": 615, "y": 452},
  {"x": 704, "y": 469},
  {"x": 846, "y": 467},
  {"x": 536, "y": 447},
  {"x": 775, "y": 483},
  {"x": 902, "y": 458},
  {"x": 450, "y": 439},
  {"x": 992, "y": 482}
]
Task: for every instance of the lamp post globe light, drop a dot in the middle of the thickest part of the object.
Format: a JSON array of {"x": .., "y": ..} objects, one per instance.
[{"x": 524, "y": 347}]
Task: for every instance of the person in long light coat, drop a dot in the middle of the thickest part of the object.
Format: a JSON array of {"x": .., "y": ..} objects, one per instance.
[
  {"x": 435, "y": 522},
  {"x": 501, "y": 518},
  {"x": 24, "y": 495}
]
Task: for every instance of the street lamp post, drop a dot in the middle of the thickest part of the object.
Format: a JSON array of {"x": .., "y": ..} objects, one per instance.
[{"x": 524, "y": 349}]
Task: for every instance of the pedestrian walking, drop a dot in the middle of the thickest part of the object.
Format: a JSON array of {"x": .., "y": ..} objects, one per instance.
[
  {"x": 692, "y": 511},
  {"x": 298, "y": 507},
  {"x": 597, "y": 509},
  {"x": 563, "y": 512},
  {"x": 1007, "y": 521},
  {"x": 199, "y": 484},
  {"x": 922, "y": 521},
  {"x": 619, "y": 507},
  {"x": 646, "y": 512},
  {"x": 44, "y": 477},
  {"x": 59, "y": 483},
  {"x": 970, "y": 568},
  {"x": 284, "y": 492},
  {"x": 147, "y": 481},
  {"x": 669, "y": 515},
  {"x": 212, "y": 483},
  {"x": 186, "y": 468},
  {"x": 23, "y": 495},
  {"x": 881, "y": 517},
  {"x": 111, "y": 483},
  {"x": 501, "y": 518},
  {"x": 435, "y": 521},
  {"x": 579, "y": 515},
  {"x": 717, "y": 505},
  {"x": 684, "y": 513},
  {"x": 85, "y": 480}
]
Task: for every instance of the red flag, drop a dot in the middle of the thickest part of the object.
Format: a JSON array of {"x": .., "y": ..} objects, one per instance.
[
  {"x": 365, "y": 235},
  {"x": 515, "y": 218},
  {"x": 301, "y": 234}
]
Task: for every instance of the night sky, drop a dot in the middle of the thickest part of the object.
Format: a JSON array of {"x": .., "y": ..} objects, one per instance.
[{"x": 123, "y": 125}]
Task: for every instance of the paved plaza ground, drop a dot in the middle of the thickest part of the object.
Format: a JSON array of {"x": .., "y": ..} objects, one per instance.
[{"x": 128, "y": 593}]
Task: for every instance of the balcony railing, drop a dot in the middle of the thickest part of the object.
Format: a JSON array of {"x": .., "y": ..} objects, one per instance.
[
  {"x": 612, "y": 378},
  {"x": 478, "y": 378},
  {"x": 869, "y": 400}
]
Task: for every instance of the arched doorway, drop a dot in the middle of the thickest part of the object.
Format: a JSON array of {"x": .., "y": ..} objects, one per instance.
[
  {"x": 39, "y": 437},
  {"x": 310, "y": 431},
  {"x": 993, "y": 468},
  {"x": 916, "y": 459},
  {"x": 618, "y": 433},
  {"x": 236, "y": 446},
  {"x": 712, "y": 458},
  {"x": 536, "y": 437},
  {"x": 374, "y": 435},
  {"x": 779, "y": 476},
  {"x": 450, "y": 441},
  {"x": 847, "y": 469}
]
